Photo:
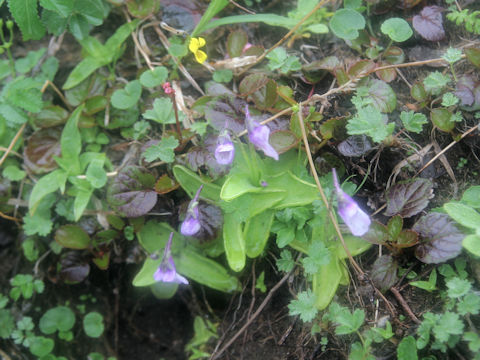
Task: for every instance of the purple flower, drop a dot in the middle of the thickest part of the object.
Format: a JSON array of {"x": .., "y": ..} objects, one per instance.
[
  {"x": 259, "y": 135},
  {"x": 357, "y": 221},
  {"x": 191, "y": 224},
  {"x": 167, "y": 272},
  {"x": 225, "y": 151}
]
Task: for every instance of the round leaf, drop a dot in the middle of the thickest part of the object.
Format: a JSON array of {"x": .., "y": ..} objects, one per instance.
[
  {"x": 60, "y": 318},
  {"x": 93, "y": 324},
  {"x": 346, "y": 23},
  {"x": 155, "y": 77},
  {"x": 397, "y": 29},
  {"x": 127, "y": 97},
  {"x": 41, "y": 346}
]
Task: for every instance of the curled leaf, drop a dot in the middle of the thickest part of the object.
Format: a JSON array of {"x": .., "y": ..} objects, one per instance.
[
  {"x": 408, "y": 198},
  {"x": 441, "y": 239}
]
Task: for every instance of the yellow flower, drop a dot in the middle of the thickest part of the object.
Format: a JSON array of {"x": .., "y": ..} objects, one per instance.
[{"x": 194, "y": 46}]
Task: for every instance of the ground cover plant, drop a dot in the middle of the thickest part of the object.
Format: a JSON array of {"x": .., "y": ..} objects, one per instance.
[{"x": 239, "y": 179}]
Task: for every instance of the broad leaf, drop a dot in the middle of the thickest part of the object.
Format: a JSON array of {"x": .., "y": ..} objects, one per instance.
[
  {"x": 131, "y": 192},
  {"x": 429, "y": 23},
  {"x": 441, "y": 239},
  {"x": 72, "y": 237},
  {"x": 408, "y": 198},
  {"x": 384, "y": 272},
  {"x": 25, "y": 14}
]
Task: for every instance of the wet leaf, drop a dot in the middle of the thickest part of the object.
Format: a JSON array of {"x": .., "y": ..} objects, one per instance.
[
  {"x": 384, "y": 272},
  {"x": 131, "y": 192},
  {"x": 360, "y": 67},
  {"x": 72, "y": 237},
  {"x": 355, "y": 146},
  {"x": 73, "y": 267},
  {"x": 429, "y": 23},
  {"x": 41, "y": 149},
  {"x": 407, "y": 238},
  {"x": 236, "y": 42},
  {"x": 408, "y": 198},
  {"x": 440, "y": 238}
]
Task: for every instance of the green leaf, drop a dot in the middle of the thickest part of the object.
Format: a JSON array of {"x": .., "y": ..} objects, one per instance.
[
  {"x": 304, "y": 306},
  {"x": 223, "y": 75},
  {"x": 62, "y": 7},
  {"x": 162, "y": 112},
  {"x": 71, "y": 143},
  {"x": 326, "y": 281},
  {"x": 190, "y": 182},
  {"x": 318, "y": 255},
  {"x": 46, "y": 185},
  {"x": 25, "y": 13},
  {"x": 83, "y": 70},
  {"x": 13, "y": 173},
  {"x": 60, "y": 318},
  {"x": 345, "y": 321},
  {"x": 96, "y": 175},
  {"x": 127, "y": 97},
  {"x": 407, "y": 349},
  {"x": 448, "y": 324},
  {"x": 213, "y": 9},
  {"x": 449, "y": 99},
  {"x": 257, "y": 232},
  {"x": 155, "y": 77},
  {"x": 72, "y": 237},
  {"x": 234, "y": 241},
  {"x": 345, "y": 24},
  {"x": 82, "y": 198},
  {"x": 452, "y": 55},
  {"x": 39, "y": 223},
  {"x": 413, "y": 121},
  {"x": 93, "y": 324},
  {"x": 27, "y": 63},
  {"x": 463, "y": 214},
  {"x": 41, "y": 346},
  {"x": 8, "y": 324},
  {"x": 458, "y": 287},
  {"x": 269, "y": 19},
  {"x": 470, "y": 304},
  {"x": 435, "y": 82},
  {"x": 472, "y": 244},
  {"x": 429, "y": 285},
  {"x": 92, "y": 10},
  {"x": 164, "y": 150},
  {"x": 279, "y": 59},
  {"x": 13, "y": 115},
  {"x": 371, "y": 122},
  {"x": 397, "y": 29},
  {"x": 285, "y": 262}
]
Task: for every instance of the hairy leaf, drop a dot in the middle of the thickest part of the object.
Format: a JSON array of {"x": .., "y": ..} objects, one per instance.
[
  {"x": 408, "y": 198},
  {"x": 441, "y": 239},
  {"x": 26, "y": 16}
]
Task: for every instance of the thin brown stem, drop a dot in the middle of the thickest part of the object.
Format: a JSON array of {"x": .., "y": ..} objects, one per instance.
[{"x": 12, "y": 143}]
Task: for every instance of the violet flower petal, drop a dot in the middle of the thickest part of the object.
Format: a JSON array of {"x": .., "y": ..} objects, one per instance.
[
  {"x": 167, "y": 271},
  {"x": 355, "y": 218},
  {"x": 259, "y": 135},
  {"x": 191, "y": 224},
  {"x": 225, "y": 151}
]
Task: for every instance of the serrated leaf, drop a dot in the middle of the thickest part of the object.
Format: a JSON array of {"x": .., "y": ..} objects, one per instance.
[
  {"x": 371, "y": 122},
  {"x": 413, "y": 121},
  {"x": 429, "y": 23},
  {"x": 25, "y": 13},
  {"x": 407, "y": 349},
  {"x": 164, "y": 150},
  {"x": 162, "y": 112},
  {"x": 408, "y": 198},
  {"x": 440, "y": 238},
  {"x": 62, "y": 7},
  {"x": 304, "y": 306},
  {"x": 382, "y": 95}
]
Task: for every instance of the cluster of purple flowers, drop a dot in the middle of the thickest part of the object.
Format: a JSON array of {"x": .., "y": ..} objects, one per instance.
[{"x": 357, "y": 220}]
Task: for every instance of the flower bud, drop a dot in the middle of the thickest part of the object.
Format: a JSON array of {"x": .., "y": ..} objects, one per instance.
[{"x": 259, "y": 135}]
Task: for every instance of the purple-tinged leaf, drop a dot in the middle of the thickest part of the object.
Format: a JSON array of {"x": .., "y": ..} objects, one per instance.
[
  {"x": 440, "y": 238},
  {"x": 429, "y": 23},
  {"x": 382, "y": 95},
  {"x": 468, "y": 91},
  {"x": 387, "y": 75},
  {"x": 132, "y": 192},
  {"x": 211, "y": 221},
  {"x": 384, "y": 272},
  {"x": 408, "y": 198},
  {"x": 73, "y": 267},
  {"x": 226, "y": 113},
  {"x": 262, "y": 90},
  {"x": 41, "y": 149},
  {"x": 407, "y": 238},
  {"x": 355, "y": 146}
]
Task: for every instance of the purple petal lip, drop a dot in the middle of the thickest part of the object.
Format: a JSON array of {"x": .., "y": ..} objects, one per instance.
[
  {"x": 355, "y": 218},
  {"x": 167, "y": 272},
  {"x": 191, "y": 225},
  {"x": 225, "y": 151},
  {"x": 259, "y": 135}
]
